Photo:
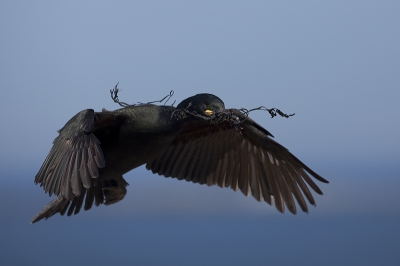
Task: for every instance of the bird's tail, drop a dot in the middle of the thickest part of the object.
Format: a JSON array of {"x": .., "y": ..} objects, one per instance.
[
  {"x": 103, "y": 192},
  {"x": 56, "y": 205}
]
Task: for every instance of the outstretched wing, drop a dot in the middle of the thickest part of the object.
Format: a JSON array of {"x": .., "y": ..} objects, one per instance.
[
  {"x": 244, "y": 158},
  {"x": 74, "y": 160}
]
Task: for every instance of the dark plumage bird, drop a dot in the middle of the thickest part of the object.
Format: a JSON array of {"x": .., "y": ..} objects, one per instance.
[{"x": 198, "y": 141}]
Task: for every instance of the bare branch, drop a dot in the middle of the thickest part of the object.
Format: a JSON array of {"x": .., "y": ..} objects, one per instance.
[
  {"x": 114, "y": 96},
  {"x": 273, "y": 111},
  {"x": 226, "y": 116}
]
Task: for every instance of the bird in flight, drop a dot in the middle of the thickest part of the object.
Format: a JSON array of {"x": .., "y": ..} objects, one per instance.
[{"x": 198, "y": 141}]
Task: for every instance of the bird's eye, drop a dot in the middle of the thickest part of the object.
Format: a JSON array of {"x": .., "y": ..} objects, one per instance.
[{"x": 210, "y": 107}]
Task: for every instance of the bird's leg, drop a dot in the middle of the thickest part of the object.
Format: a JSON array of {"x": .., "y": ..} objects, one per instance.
[{"x": 114, "y": 191}]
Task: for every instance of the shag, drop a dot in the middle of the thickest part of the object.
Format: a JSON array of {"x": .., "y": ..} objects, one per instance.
[{"x": 198, "y": 141}]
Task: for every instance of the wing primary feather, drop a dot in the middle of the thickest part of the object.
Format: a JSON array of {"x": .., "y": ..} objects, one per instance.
[
  {"x": 72, "y": 206},
  {"x": 66, "y": 182},
  {"x": 97, "y": 152},
  {"x": 89, "y": 199},
  {"x": 84, "y": 171},
  {"x": 229, "y": 164},
  {"x": 297, "y": 178},
  {"x": 75, "y": 178},
  {"x": 227, "y": 168},
  {"x": 276, "y": 193},
  {"x": 98, "y": 192},
  {"x": 292, "y": 184},
  {"x": 219, "y": 172},
  {"x": 54, "y": 163},
  {"x": 244, "y": 168},
  {"x": 235, "y": 157},
  {"x": 221, "y": 168},
  {"x": 79, "y": 203},
  {"x": 59, "y": 172},
  {"x": 43, "y": 171},
  {"x": 94, "y": 171},
  {"x": 208, "y": 169},
  {"x": 314, "y": 174},
  {"x": 208, "y": 163},
  {"x": 253, "y": 174},
  {"x": 285, "y": 187},
  {"x": 310, "y": 182},
  {"x": 204, "y": 162},
  {"x": 64, "y": 208},
  {"x": 265, "y": 189},
  {"x": 235, "y": 173}
]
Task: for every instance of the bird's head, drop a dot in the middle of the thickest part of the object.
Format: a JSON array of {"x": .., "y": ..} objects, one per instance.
[{"x": 203, "y": 104}]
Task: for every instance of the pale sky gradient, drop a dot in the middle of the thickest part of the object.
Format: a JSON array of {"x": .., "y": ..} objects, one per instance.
[{"x": 336, "y": 64}]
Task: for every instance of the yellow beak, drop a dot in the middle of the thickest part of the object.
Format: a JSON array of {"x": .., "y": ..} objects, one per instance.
[{"x": 208, "y": 112}]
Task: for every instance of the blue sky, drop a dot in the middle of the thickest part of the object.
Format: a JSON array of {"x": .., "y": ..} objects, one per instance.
[{"x": 335, "y": 64}]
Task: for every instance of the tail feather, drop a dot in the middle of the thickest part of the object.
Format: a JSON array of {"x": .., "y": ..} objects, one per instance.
[
  {"x": 56, "y": 205},
  {"x": 104, "y": 192}
]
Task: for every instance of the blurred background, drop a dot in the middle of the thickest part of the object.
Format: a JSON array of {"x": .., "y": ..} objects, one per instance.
[{"x": 336, "y": 64}]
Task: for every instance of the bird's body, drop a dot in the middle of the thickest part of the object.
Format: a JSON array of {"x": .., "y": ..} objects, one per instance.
[
  {"x": 198, "y": 141},
  {"x": 151, "y": 135}
]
